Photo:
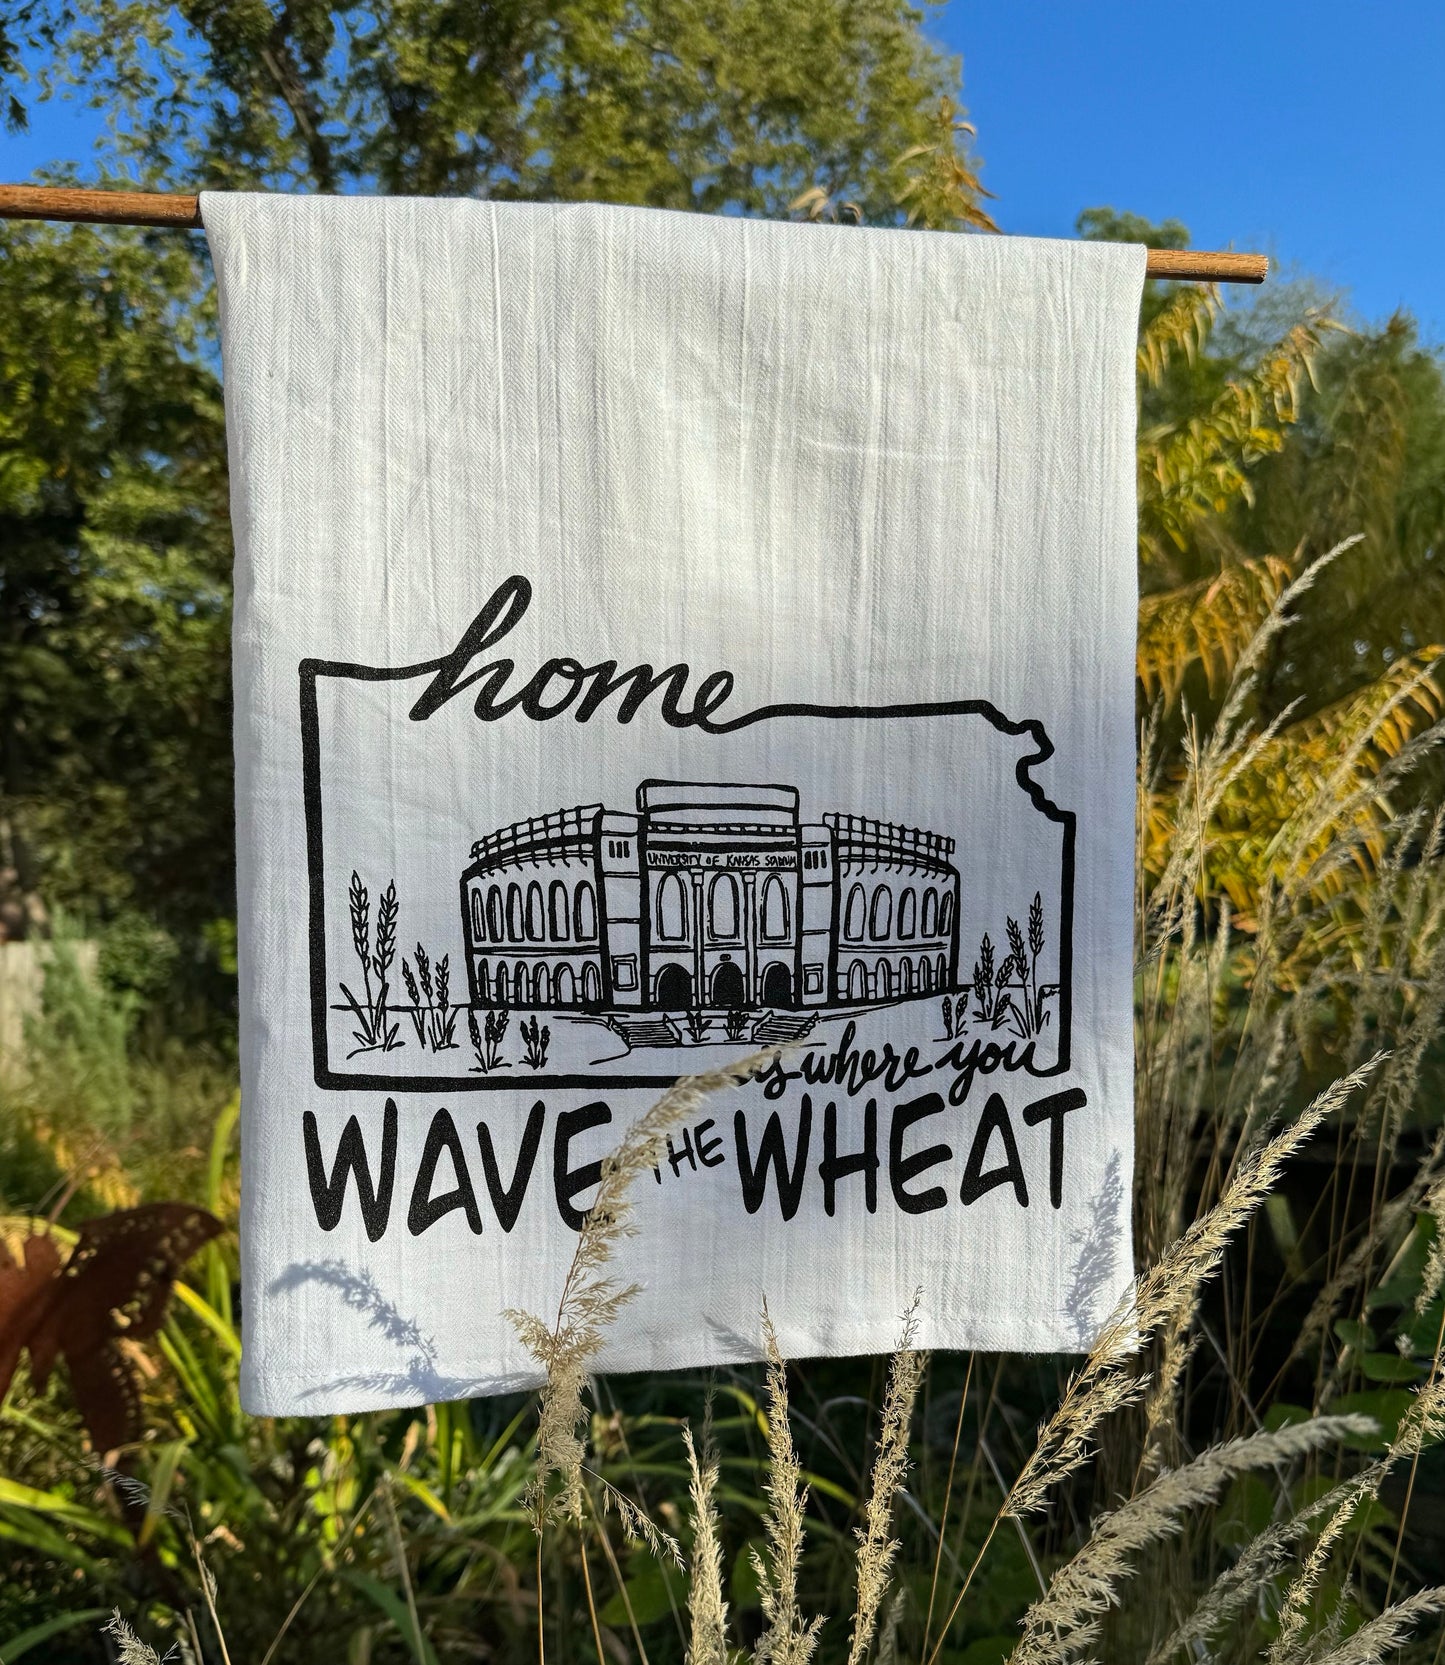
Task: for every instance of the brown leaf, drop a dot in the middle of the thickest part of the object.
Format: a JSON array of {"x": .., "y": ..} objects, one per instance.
[{"x": 115, "y": 1284}]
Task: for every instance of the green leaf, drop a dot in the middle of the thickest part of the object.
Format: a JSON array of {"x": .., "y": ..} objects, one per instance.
[
  {"x": 161, "y": 1482},
  {"x": 62, "y": 1508},
  {"x": 987, "y": 1650},
  {"x": 1354, "y": 1333},
  {"x": 653, "y": 1593},
  {"x": 395, "y": 1609},
  {"x": 1390, "y": 1367},
  {"x": 1385, "y": 1405},
  {"x": 34, "y": 1534},
  {"x": 1424, "y": 1329},
  {"x": 14, "y": 1646},
  {"x": 423, "y": 1493},
  {"x": 1284, "y": 1415},
  {"x": 1247, "y": 1509},
  {"x": 1401, "y": 1283},
  {"x": 221, "y": 1327},
  {"x": 743, "y": 1585}
]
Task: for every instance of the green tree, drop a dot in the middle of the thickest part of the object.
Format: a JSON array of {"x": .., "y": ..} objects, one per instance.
[
  {"x": 1367, "y": 456},
  {"x": 114, "y": 550},
  {"x": 114, "y": 577},
  {"x": 715, "y": 105},
  {"x": 1264, "y": 444}
]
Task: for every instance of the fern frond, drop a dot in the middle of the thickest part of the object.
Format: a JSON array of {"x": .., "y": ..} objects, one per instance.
[
  {"x": 1182, "y": 326},
  {"x": 1194, "y": 469},
  {"x": 1210, "y": 622},
  {"x": 1307, "y": 808}
]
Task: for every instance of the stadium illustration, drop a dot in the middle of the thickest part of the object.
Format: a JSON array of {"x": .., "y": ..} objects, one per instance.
[{"x": 708, "y": 895}]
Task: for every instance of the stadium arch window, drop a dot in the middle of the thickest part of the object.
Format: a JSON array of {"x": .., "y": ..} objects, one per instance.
[
  {"x": 880, "y": 917},
  {"x": 585, "y": 912},
  {"x": 945, "y": 916},
  {"x": 494, "y": 914},
  {"x": 908, "y": 914},
  {"x": 775, "y": 910},
  {"x": 674, "y": 989},
  {"x": 591, "y": 984},
  {"x": 519, "y": 984},
  {"x": 479, "y": 918},
  {"x": 534, "y": 912},
  {"x": 514, "y": 913},
  {"x": 728, "y": 986},
  {"x": 671, "y": 909},
  {"x": 857, "y": 909},
  {"x": 884, "y": 981},
  {"x": 930, "y": 913},
  {"x": 857, "y": 981},
  {"x": 723, "y": 907},
  {"x": 559, "y": 923}
]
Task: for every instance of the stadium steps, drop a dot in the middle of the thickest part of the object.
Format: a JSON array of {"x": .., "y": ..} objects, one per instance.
[
  {"x": 646, "y": 1031},
  {"x": 774, "y": 1028}
]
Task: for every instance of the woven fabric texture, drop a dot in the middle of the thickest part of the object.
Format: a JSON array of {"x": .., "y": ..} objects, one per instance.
[{"x": 659, "y": 640}]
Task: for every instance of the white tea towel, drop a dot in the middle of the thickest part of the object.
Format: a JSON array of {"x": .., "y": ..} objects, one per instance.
[{"x": 658, "y": 639}]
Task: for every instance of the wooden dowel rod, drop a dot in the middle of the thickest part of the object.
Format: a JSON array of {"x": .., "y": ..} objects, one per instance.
[
  {"x": 148, "y": 208},
  {"x": 60, "y": 202}
]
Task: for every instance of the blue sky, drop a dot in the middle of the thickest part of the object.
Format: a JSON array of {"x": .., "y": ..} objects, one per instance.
[{"x": 1313, "y": 132}]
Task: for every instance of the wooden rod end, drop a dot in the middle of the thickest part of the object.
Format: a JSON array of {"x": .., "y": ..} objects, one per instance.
[
  {"x": 59, "y": 202},
  {"x": 1205, "y": 266}
]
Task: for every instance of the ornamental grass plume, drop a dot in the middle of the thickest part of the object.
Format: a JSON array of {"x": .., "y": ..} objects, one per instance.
[
  {"x": 1380, "y": 1637},
  {"x": 787, "y": 1639},
  {"x": 1166, "y": 1296},
  {"x": 1235, "y": 1591},
  {"x": 1422, "y": 1424},
  {"x": 129, "y": 1649},
  {"x": 877, "y": 1547},
  {"x": 1432, "y": 1279},
  {"x": 1066, "y": 1618},
  {"x": 707, "y": 1605},
  {"x": 887, "y": 1653},
  {"x": 591, "y": 1300}
]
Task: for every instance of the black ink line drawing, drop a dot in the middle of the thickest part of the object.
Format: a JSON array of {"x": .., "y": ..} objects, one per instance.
[
  {"x": 712, "y": 915},
  {"x": 536, "y": 1038},
  {"x": 1021, "y": 995},
  {"x": 713, "y": 897},
  {"x": 1013, "y": 995},
  {"x": 373, "y": 1032},
  {"x": 434, "y": 1018},
  {"x": 487, "y": 1038}
]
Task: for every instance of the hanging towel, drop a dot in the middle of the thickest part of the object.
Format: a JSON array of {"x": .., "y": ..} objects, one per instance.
[{"x": 663, "y": 640}]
